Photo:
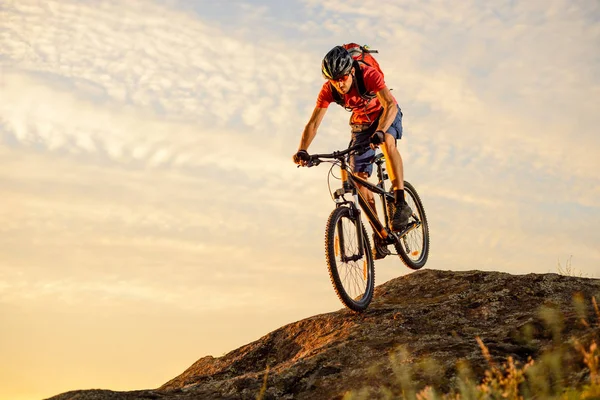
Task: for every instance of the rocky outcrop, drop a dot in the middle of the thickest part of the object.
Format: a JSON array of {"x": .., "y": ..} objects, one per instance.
[{"x": 432, "y": 315}]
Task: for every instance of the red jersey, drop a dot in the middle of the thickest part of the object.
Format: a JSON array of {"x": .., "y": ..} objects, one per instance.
[{"x": 363, "y": 111}]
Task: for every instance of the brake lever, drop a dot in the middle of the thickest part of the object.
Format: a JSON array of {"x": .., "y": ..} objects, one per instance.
[{"x": 311, "y": 162}]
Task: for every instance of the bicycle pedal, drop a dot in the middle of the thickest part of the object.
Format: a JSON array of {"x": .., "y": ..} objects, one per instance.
[{"x": 391, "y": 238}]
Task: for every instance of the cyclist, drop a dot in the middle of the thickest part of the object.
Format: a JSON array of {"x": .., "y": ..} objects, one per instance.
[{"x": 375, "y": 121}]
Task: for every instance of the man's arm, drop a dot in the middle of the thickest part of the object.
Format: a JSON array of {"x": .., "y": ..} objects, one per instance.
[
  {"x": 389, "y": 109},
  {"x": 310, "y": 130}
]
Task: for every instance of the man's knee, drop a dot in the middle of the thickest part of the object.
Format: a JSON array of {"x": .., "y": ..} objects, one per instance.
[{"x": 390, "y": 142}]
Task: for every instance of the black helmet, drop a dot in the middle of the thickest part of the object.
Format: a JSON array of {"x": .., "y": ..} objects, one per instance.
[{"x": 336, "y": 63}]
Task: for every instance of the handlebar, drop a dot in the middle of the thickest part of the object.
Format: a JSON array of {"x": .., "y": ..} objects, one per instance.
[{"x": 316, "y": 159}]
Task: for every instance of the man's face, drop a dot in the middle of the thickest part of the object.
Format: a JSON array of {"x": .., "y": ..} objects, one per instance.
[{"x": 344, "y": 84}]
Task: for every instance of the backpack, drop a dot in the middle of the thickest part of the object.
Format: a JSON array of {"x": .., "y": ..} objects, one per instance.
[{"x": 361, "y": 55}]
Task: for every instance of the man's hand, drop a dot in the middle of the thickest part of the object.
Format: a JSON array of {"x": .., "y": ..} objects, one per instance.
[
  {"x": 376, "y": 139},
  {"x": 301, "y": 157}
]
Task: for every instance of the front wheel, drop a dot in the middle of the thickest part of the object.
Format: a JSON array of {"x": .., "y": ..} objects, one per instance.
[
  {"x": 413, "y": 246},
  {"x": 349, "y": 258}
]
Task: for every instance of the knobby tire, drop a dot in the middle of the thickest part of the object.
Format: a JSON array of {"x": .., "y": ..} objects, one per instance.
[
  {"x": 415, "y": 202},
  {"x": 348, "y": 276}
]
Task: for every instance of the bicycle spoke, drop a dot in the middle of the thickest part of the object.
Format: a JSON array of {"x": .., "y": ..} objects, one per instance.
[
  {"x": 413, "y": 246},
  {"x": 353, "y": 277}
]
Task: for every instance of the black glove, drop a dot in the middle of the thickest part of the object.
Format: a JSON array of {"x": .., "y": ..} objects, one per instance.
[
  {"x": 301, "y": 155},
  {"x": 377, "y": 138}
]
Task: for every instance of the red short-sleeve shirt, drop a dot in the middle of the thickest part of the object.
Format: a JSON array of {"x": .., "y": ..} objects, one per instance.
[{"x": 363, "y": 111}]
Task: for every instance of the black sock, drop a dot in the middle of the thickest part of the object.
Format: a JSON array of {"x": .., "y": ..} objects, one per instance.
[{"x": 399, "y": 194}]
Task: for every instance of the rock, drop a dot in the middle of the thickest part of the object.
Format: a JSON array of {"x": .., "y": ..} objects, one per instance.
[{"x": 429, "y": 317}]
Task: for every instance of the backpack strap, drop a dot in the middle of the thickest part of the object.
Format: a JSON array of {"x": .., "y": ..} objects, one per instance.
[{"x": 360, "y": 82}]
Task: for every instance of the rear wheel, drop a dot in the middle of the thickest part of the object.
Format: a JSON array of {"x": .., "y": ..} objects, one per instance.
[
  {"x": 413, "y": 247},
  {"x": 349, "y": 259}
]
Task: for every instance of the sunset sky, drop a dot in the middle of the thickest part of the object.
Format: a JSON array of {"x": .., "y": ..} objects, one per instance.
[{"x": 150, "y": 213}]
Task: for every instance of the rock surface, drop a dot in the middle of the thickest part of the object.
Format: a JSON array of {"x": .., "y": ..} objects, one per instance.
[{"x": 434, "y": 315}]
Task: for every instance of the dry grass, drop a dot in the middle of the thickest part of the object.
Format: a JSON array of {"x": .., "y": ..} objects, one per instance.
[
  {"x": 537, "y": 379},
  {"x": 568, "y": 269},
  {"x": 263, "y": 388}
]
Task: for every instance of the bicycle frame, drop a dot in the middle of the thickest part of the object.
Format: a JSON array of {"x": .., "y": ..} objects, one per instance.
[
  {"x": 366, "y": 207},
  {"x": 350, "y": 181},
  {"x": 349, "y": 185}
]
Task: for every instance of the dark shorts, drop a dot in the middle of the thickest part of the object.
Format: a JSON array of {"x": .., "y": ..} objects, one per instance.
[{"x": 363, "y": 162}]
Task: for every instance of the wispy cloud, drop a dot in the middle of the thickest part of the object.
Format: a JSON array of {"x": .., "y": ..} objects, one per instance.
[
  {"x": 186, "y": 97},
  {"x": 185, "y": 68}
]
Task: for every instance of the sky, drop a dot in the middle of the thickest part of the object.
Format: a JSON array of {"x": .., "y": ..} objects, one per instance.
[{"x": 150, "y": 213}]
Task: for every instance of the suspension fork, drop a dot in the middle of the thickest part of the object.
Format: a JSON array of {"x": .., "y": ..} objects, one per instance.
[{"x": 355, "y": 213}]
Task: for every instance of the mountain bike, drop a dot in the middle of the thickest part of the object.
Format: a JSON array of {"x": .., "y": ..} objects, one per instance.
[{"x": 347, "y": 246}]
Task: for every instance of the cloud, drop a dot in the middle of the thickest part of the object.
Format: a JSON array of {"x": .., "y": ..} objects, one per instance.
[
  {"x": 78, "y": 232},
  {"x": 184, "y": 69},
  {"x": 187, "y": 97}
]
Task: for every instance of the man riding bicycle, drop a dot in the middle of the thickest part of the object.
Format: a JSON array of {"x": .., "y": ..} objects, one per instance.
[{"x": 376, "y": 120}]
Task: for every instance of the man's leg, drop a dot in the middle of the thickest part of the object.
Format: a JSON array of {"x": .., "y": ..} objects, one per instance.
[
  {"x": 393, "y": 162},
  {"x": 401, "y": 212}
]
